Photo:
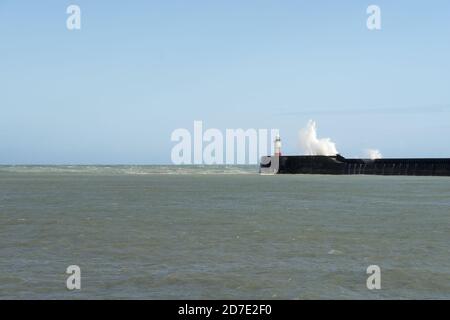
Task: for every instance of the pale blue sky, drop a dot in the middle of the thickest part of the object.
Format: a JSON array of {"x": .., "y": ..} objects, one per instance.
[{"x": 114, "y": 91}]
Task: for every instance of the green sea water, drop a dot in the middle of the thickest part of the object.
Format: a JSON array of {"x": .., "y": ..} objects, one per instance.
[{"x": 168, "y": 232}]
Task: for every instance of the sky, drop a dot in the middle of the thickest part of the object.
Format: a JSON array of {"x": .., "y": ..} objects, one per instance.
[{"x": 114, "y": 91}]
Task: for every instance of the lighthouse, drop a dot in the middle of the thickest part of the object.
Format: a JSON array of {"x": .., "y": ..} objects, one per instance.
[{"x": 277, "y": 144}]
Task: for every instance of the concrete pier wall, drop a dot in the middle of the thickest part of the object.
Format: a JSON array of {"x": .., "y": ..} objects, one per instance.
[{"x": 340, "y": 165}]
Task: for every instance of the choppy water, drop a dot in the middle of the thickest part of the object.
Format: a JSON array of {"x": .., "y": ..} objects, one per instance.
[{"x": 220, "y": 232}]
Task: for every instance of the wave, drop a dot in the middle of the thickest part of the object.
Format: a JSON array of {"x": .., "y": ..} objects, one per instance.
[{"x": 130, "y": 169}]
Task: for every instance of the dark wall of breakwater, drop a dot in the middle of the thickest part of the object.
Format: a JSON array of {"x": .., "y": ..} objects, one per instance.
[{"x": 340, "y": 165}]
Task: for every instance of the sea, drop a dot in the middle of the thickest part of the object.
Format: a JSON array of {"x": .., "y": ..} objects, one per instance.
[{"x": 221, "y": 232}]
